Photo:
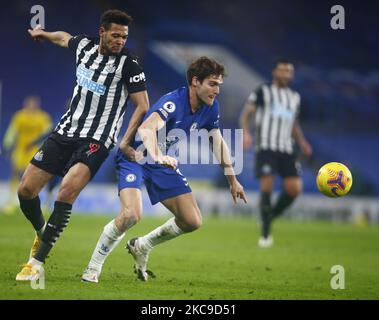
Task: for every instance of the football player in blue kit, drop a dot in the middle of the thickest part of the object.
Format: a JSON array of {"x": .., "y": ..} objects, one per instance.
[{"x": 188, "y": 108}]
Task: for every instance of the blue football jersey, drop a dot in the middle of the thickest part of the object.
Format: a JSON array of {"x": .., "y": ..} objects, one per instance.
[{"x": 174, "y": 108}]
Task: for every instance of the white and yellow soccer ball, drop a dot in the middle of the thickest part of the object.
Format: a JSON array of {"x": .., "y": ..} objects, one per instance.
[{"x": 334, "y": 180}]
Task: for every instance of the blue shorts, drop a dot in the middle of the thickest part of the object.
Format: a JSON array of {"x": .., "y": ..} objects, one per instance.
[{"x": 161, "y": 183}]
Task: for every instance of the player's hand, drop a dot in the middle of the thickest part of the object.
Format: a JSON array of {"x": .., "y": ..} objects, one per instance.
[
  {"x": 168, "y": 162},
  {"x": 237, "y": 191},
  {"x": 130, "y": 153},
  {"x": 37, "y": 33},
  {"x": 306, "y": 148},
  {"x": 247, "y": 140}
]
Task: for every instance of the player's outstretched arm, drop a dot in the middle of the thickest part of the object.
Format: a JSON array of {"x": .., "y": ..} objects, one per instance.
[
  {"x": 148, "y": 133},
  {"x": 222, "y": 154},
  {"x": 10, "y": 137},
  {"x": 141, "y": 102},
  {"x": 247, "y": 114},
  {"x": 305, "y": 147},
  {"x": 60, "y": 38}
]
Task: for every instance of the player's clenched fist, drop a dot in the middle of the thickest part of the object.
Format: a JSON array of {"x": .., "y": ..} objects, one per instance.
[
  {"x": 168, "y": 162},
  {"x": 36, "y": 33}
]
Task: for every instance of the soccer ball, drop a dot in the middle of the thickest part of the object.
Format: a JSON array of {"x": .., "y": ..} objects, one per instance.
[{"x": 334, "y": 180}]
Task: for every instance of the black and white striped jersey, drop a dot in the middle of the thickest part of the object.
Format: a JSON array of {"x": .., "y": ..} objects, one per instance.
[
  {"x": 103, "y": 83},
  {"x": 277, "y": 109}
]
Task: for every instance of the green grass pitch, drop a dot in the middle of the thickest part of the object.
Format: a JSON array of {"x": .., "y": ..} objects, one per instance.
[{"x": 219, "y": 261}]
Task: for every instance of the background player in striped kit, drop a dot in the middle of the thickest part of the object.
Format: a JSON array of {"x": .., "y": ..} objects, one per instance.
[
  {"x": 275, "y": 108},
  {"x": 107, "y": 75}
]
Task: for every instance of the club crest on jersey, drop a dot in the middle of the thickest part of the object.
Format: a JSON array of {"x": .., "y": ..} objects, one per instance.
[
  {"x": 194, "y": 126},
  {"x": 131, "y": 177},
  {"x": 110, "y": 68},
  {"x": 39, "y": 156},
  {"x": 169, "y": 106}
]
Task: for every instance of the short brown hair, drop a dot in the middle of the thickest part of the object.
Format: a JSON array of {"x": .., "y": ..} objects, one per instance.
[
  {"x": 204, "y": 67},
  {"x": 115, "y": 16}
]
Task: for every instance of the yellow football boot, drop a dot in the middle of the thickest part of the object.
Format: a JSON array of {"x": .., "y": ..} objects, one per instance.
[
  {"x": 28, "y": 273},
  {"x": 35, "y": 246}
]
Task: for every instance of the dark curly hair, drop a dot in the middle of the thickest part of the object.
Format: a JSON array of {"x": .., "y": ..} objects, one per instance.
[
  {"x": 115, "y": 16},
  {"x": 204, "y": 67}
]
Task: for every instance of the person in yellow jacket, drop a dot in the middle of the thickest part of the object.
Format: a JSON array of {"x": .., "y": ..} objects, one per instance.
[{"x": 21, "y": 140}]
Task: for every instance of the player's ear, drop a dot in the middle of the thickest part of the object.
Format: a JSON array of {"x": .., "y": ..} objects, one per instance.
[
  {"x": 195, "y": 81},
  {"x": 101, "y": 31}
]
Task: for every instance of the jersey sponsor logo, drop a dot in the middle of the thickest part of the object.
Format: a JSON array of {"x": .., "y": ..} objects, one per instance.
[
  {"x": 131, "y": 177},
  {"x": 281, "y": 111},
  {"x": 169, "y": 106},
  {"x": 168, "y": 143},
  {"x": 137, "y": 78},
  {"x": 84, "y": 72},
  {"x": 84, "y": 76},
  {"x": 39, "y": 156}
]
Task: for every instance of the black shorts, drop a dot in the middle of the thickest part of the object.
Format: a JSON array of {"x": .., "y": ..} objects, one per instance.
[
  {"x": 272, "y": 162},
  {"x": 58, "y": 154}
]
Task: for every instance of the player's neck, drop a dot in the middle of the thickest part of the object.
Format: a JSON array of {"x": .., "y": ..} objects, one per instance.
[
  {"x": 194, "y": 101},
  {"x": 276, "y": 83},
  {"x": 103, "y": 50}
]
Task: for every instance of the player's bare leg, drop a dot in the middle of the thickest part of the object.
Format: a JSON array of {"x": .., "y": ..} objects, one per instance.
[
  {"x": 187, "y": 219},
  {"x": 114, "y": 231}
]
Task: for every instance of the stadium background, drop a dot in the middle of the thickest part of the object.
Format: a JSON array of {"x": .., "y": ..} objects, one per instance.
[{"x": 337, "y": 74}]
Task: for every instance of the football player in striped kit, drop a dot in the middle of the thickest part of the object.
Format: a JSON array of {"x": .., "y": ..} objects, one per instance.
[
  {"x": 275, "y": 108},
  {"x": 107, "y": 75}
]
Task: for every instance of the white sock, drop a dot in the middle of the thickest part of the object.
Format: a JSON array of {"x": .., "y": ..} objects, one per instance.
[
  {"x": 108, "y": 240},
  {"x": 40, "y": 231},
  {"x": 35, "y": 263},
  {"x": 165, "y": 232}
]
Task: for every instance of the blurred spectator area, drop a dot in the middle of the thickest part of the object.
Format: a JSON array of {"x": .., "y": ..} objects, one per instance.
[{"x": 337, "y": 72}]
